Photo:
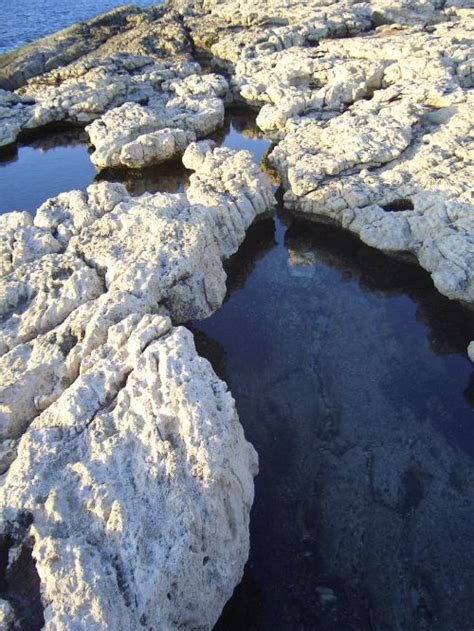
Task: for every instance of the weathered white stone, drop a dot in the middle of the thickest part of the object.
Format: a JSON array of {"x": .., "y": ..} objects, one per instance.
[
  {"x": 158, "y": 252},
  {"x": 139, "y": 483},
  {"x": 39, "y": 295},
  {"x": 136, "y": 135},
  {"x": 428, "y": 179},
  {"x": 130, "y": 457}
]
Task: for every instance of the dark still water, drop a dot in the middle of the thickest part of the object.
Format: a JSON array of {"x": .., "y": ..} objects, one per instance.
[
  {"x": 59, "y": 161},
  {"x": 23, "y": 21},
  {"x": 351, "y": 379},
  {"x": 45, "y": 167}
]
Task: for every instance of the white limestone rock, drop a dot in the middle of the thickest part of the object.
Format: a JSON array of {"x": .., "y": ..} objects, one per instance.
[
  {"x": 470, "y": 351},
  {"x": 419, "y": 202},
  {"x": 136, "y": 136},
  {"x": 158, "y": 252},
  {"x": 36, "y": 373},
  {"x": 84, "y": 90},
  {"x": 68, "y": 213},
  {"x": 14, "y": 114},
  {"x": 138, "y": 481},
  {"x": 118, "y": 441},
  {"x": 7, "y": 616},
  {"x": 39, "y": 295}
]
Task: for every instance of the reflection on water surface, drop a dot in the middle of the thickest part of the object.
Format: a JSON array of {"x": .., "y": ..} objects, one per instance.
[{"x": 351, "y": 380}]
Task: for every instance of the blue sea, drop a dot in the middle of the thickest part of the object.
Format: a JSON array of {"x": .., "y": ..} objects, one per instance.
[{"x": 23, "y": 21}]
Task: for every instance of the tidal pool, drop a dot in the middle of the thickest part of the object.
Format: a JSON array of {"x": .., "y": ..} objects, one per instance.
[
  {"x": 42, "y": 168},
  {"x": 56, "y": 162},
  {"x": 351, "y": 380}
]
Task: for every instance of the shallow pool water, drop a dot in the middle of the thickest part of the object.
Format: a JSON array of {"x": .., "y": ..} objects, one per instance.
[
  {"x": 351, "y": 379},
  {"x": 56, "y": 162},
  {"x": 49, "y": 165}
]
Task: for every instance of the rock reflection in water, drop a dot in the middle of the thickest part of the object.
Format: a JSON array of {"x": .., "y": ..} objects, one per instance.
[
  {"x": 171, "y": 177},
  {"x": 349, "y": 373},
  {"x": 57, "y": 160}
]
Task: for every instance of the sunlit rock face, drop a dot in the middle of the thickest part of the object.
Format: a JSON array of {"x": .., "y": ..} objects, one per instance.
[
  {"x": 370, "y": 105},
  {"x": 127, "y": 482},
  {"x": 138, "y": 482},
  {"x": 145, "y": 66},
  {"x": 119, "y": 443}
]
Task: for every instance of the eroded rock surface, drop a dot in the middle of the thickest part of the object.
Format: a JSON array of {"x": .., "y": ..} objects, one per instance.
[
  {"x": 94, "y": 374},
  {"x": 124, "y": 463},
  {"x": 144, "y": 66},
  {"x": 370, "y": 106},
  {"x": 139, "y": 484}
]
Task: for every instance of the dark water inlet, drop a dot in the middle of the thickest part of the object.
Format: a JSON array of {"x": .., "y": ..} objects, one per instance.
[
  {"x": 52, "y": 163},
  {"x": 44, "y": 167},
  {"x": 351, "y": 379}
]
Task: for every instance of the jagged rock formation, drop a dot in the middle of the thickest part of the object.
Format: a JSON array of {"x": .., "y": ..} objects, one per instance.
[
  {"x": 86, "y": 345},
  {"x": 124, "y": 26},
  {"x": 145, "y": 66},
  {"x": 369, "y": 125},
  {"x": 138, "y": 482},
  {"x": 107, "y": 415},
  {"x": 138, "y": 136}
]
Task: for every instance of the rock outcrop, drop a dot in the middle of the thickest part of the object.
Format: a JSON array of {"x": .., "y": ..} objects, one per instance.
[
  {"x": 137, "y": 483},
  {"x": 127, "y": 482},
  {"x": 370, "y": 109},
  {"x": 97, "y": 383},
  {"x": 70, "y": 44},
  {"x": 137, "y": 136},
  {"x": 144, "y": 65}
]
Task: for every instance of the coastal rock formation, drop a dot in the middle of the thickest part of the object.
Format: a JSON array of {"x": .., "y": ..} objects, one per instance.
[
  {"x": 94, "y": 376},
  {"x": 144, "y": 67},
  {"x": 370, "y": 106},
  {"x": 154, "y": 110},
  {"x": 126, "y": 480},
  {"x": 137, "y": 486},
  {"x": 165, "y": 256},
  {"x": 60, "y": 49},
  {"x": 137, "y": 136}
]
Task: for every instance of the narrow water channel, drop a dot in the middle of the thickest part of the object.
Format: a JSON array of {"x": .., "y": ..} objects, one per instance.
[{"x": 351, "y": 380}]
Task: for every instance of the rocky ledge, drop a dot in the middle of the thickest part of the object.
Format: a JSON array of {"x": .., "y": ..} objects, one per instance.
[
  {"x": 127, "y": 482},
  {"x": 127, "y": 477},
  {"x": 369, "y": 105}
]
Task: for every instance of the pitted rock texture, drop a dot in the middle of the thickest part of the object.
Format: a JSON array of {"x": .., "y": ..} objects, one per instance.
[
  {"x": 137, "y": 136},
  {"x": 118, "y": 442},
  {"x": 370, "y": 106},
  {"x": 142, "y": 66},
  {"x": 138, "y": 485},
  {"x": 153, "y": 109},
  {"x": 125, "y": 467},
  {"x": 115, "y": 255}
]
